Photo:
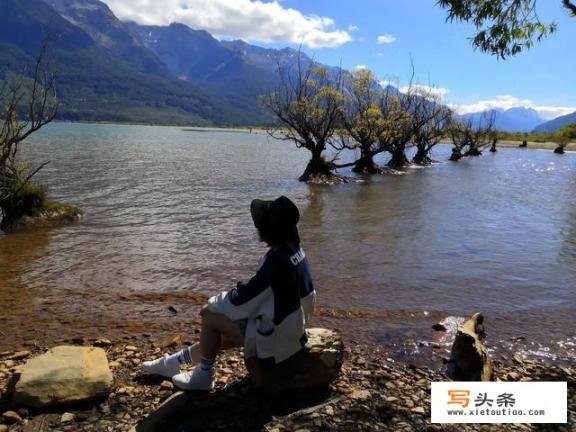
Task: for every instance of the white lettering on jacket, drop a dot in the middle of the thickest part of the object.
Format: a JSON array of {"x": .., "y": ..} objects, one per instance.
[{"x": 298, "y": 257}]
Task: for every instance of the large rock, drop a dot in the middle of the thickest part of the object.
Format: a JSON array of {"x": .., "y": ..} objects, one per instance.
[
  {"x": 316, "y": 366},
  {"x": 63, "y": 375},
  {"x": 469, "y": 358}
]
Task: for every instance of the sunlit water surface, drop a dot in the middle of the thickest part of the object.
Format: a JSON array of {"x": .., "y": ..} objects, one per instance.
[{"x": 167, "y": 223}]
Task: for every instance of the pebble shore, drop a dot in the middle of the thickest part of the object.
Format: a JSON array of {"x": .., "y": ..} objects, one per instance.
[{"x": 372, "y": 394}]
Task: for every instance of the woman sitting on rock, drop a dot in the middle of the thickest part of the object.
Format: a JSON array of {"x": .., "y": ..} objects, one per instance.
[{"x": 267, "y": 315}]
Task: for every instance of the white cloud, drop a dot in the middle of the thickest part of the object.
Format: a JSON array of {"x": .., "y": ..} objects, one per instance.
[
  {"x": 508, "y": 101},
  {"x": 385, "y": 39},
  {"x": 245, "y": 19},
  {"x": 388, "y": 82},
  {"x": 380, "y": 54},
  {"x": 360, "y": 67},
  {"x": 424, "y": 90},
  {"x": 353, "y": 28}
]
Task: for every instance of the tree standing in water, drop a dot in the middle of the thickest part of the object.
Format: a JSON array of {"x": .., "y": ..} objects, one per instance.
[
  {"x": 434, "y": 119},
  {"x": 405, "y": 116},
  {"x": 308, "y": 104},
  {"x": 494, "y": 138},
  {"x": 363, "y": 121},
  {"x": 482, "y": 135},
  {"x": 461, "y": 134},
  {"x": 563, "y": 137},
  {"x": 399, "y": 127},
  {"x": 469, "y": 140}
]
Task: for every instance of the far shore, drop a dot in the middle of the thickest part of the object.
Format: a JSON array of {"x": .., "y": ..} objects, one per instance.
[{"x": 548, "y": 145}]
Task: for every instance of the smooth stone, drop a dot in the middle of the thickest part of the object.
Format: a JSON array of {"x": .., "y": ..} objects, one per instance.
[
  {"x": 103, "y": 342},
  {"x": 67, "y": 417},
  {"x": 63, "y": 375},
  {"x": 360, "y": 394}
]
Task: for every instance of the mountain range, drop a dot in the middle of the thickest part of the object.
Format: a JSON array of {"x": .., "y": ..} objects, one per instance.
[
  {"x": 516, "y": 119},
  {"x": 557, "y": 123},
  {"x": 110, "y": 70}
]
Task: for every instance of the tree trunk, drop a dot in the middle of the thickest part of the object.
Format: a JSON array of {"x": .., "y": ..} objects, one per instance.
[
  {"x": 421, "y": 157},
  {"x": 473, "y": 152},
  {"x": 456, "y": 154},
  {"x": 317, "y": 166},
  {"x": 398, "y": 160},
  {"x": 366, "y": 165},
  {"x": 493, "y": 149}
]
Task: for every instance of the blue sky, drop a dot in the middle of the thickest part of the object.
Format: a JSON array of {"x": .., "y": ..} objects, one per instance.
[{"x": 343, "y": 32}]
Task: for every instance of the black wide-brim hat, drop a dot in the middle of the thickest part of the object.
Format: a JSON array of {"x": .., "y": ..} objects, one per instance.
[{"x": 280, "y": 213}]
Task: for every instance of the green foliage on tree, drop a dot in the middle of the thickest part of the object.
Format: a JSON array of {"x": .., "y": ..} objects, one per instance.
[
  {"x": 469, "y": 139},
  {"x": 308, "y": 105},
  {"x": 504, "y": 27},
  {"x": 362, "y": 119}
]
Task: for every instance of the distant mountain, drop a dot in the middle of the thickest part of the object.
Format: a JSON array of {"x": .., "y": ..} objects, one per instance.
[
  {"x": 557, "y": 123},
  {"x": 234, "y": 70},
  {"x": 105, "y": 73},
  {"x": 117, "y": 71},
  {"x": 96, "y": 19},
  {"x": 110, "y": 70},
  {"x": 195, "y": 56},
  {"x": 516, "y": 119}
]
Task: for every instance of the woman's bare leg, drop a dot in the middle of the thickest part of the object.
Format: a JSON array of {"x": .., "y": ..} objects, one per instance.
[{"x": 218, "y": 333}]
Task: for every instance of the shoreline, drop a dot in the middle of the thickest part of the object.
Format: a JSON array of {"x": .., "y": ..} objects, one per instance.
[
  {"x": 548, "y": 145},
  {"x": 417, "y": 341},
  {"x": 371, "y": 394}
]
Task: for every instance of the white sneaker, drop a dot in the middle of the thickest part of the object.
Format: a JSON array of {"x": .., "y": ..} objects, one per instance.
[
  {"x": 197, "y": 379},
  {"x": 161, "y": 367}
]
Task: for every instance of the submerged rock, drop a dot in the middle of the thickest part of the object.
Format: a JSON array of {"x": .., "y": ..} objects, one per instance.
[
  {"x": 333, "y": 179},
  {"x": 317, "y": 365},
  {"x": 439, "y": 327},
  {"x": 469, "y": 358},
  {"x": 64, "y": 375}
]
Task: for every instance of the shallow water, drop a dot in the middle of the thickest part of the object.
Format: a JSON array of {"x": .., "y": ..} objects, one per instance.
[{"x": 168, "y": 224}]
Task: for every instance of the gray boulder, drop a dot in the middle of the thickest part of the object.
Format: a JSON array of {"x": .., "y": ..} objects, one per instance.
[
  {"x": 316, "y": 366},
  {"x": 64, "y": 375}
]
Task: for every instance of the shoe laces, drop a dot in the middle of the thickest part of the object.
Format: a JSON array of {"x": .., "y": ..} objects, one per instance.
[{"x": 188, "y": 374}]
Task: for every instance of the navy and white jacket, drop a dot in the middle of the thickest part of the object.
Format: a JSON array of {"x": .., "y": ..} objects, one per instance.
[{"x": 277, "y": 304}]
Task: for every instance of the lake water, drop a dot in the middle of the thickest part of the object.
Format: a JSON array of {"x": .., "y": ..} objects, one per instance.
[{"x": 167, "y": 223}]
